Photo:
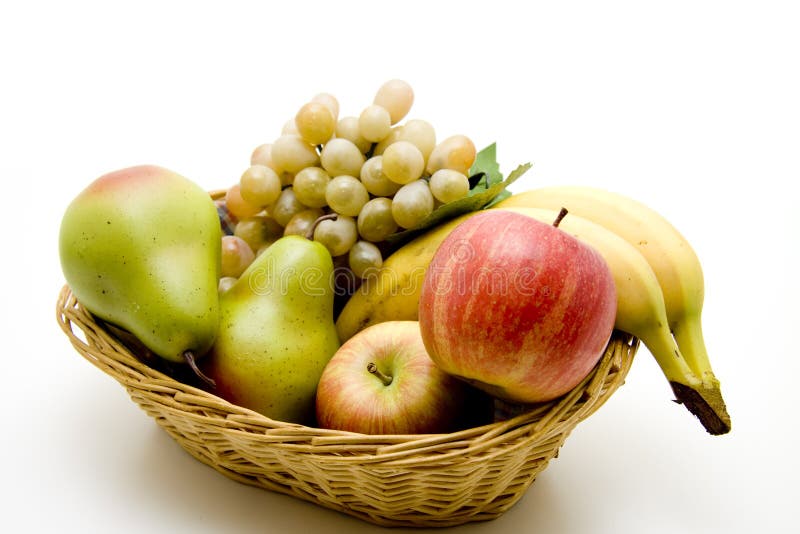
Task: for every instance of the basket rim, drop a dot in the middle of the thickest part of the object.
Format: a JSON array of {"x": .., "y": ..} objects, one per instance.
[{"x": 107, "y": 352}]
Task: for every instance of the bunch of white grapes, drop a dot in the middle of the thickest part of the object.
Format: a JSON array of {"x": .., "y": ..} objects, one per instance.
[{"x": 376, "y": 174}]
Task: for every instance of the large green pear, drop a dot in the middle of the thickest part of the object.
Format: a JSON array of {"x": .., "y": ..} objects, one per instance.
[
  {"x": 140, "y": 248},
  {"x": 276, "y": 331}
]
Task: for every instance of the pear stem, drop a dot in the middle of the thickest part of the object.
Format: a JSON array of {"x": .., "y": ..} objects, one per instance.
[
  {"x": 561, "y": 214},
  {"x": 372, "y": 368},
  {"x": 190, "y": 359},
  {"x": 328, "y": 217}
]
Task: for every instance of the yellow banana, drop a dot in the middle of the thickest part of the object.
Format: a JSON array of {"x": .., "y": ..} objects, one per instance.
[{"x": 674, "y": 263}]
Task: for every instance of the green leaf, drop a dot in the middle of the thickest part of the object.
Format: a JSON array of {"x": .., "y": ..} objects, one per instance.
[
  {"x": 478, "y": 199},
  {"x": 486, "y": 163}
]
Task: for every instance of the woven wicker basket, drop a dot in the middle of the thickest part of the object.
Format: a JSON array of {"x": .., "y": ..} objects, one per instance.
[{"x": 412, "y": 480}]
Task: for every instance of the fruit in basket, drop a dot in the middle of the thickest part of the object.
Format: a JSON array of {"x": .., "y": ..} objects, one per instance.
[
  {"x": 412, "y": 203},
  {"x": 457, "y": 153},
  {"x": 394, "y": 293},
  {"x": 276, "y": 331},
  {"x": 341, "y": 165},
  {"x": 140, "y": 249},
  {"x": 516, "y": 307},
  {"x": 382, "y": 381},
  {"x": 235, "y": 256},
  {"x": 396, "y": 96},
  {"x": 679, "y": 275}
]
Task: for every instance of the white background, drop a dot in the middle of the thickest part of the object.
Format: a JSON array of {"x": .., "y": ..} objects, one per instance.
[{"x": 691, "y": 107}]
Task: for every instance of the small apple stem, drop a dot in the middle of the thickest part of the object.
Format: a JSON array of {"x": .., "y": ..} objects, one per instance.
[
  {"x": 190, "y": 359},
  {"x": 372, "y": 368},
  {"x": 560, "y": 217},
  {"x": 328, "y": 217}
]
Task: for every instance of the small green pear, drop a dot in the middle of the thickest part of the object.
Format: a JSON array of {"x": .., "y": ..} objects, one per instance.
[
  {"x": 277, "y": 332},
  {"x": 140, "y": 249}
]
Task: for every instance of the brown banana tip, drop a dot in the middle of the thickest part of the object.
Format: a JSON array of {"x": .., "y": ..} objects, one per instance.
[{"x": 705, "y": 404}]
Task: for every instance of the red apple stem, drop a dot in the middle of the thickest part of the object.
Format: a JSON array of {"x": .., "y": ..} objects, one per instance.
[
  {"x": 560, "y": 217},
  {"x": 190, "y": 359},
  {"x": 372, "y": 368},
  {"x": 328, "y": 217}
]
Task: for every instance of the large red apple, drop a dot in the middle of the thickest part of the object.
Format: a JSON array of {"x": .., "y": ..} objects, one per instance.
[
  {"x": 517, "y": 307},
  {"x": 382, "y": 381}
]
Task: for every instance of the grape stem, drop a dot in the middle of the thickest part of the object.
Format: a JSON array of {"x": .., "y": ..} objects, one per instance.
[{"x": 328, "y": 217}]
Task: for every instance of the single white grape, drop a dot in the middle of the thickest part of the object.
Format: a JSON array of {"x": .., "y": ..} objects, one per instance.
[
  {"x": 286, "y": 207},
  {"x": 337, "y": 235},
  {"x": 292, "y": 154},
  {"x": 403, "y": 162},
  {"x": 259, "y": 185},
  {"x": 448, "y": 185},
  {"x": 374, "y": 123},
  {"x": 457, "y": 152},
  {"x": 421, "y": 134},
  {"x": 309, "y": 186},
  {"x": 258, "y": 231},
  {"x": 365, "y": 259},
  {"x": 375, "y": 221},
  {"x": 329, "y": 101},
  {"x": 315, "y": 123},
  {"x": 340, "y": 156},
  {"x": 237, "y": 206},
  {"x": 301, "y": 222},
  {"x": 396, "y": 96},
  {"x": 412, "y": 204},
  {"x": 374, "y": 180},
  {"x": 346, "y": 195},
  {"x": 235, "y": 256}
]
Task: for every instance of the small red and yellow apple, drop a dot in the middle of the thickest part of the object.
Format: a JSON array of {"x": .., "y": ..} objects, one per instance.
[{"x": 382, "y": 381}]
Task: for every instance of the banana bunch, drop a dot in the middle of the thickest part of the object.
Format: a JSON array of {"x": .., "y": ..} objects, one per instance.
[{"x": 658, "y": 277}]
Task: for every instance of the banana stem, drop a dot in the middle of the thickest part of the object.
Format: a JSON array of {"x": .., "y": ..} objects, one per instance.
[
  {"x": 702, "y": 398},
  {"x": 705, "y": 402}
]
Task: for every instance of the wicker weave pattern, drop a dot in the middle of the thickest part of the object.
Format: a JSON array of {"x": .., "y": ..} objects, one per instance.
[{"x": 416, "y": 480}]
